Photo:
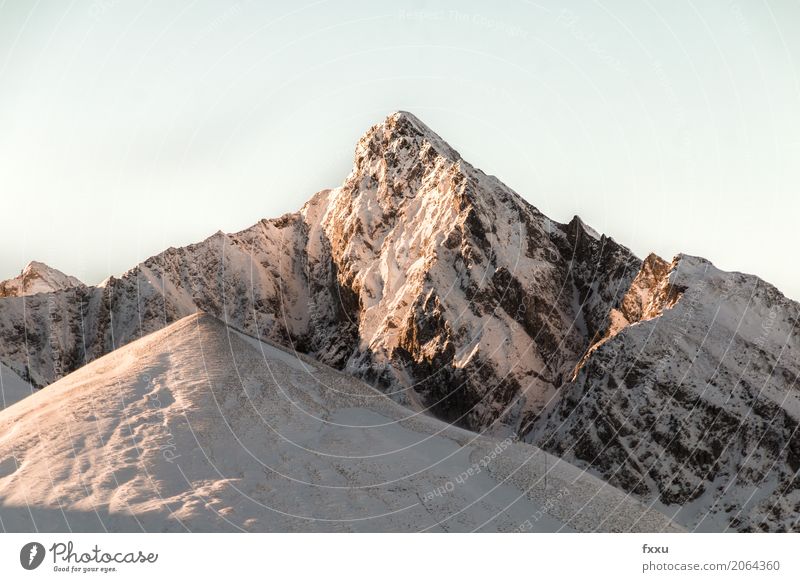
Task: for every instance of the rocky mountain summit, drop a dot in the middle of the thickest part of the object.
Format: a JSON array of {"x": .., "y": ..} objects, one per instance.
[{"x": 445, "y": 289}]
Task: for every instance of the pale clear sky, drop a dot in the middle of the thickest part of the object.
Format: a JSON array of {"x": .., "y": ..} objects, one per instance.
[{"x": 128, "y": 126}]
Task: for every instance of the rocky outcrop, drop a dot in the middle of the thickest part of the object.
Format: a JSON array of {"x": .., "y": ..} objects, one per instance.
[{"x": 691, "y": 399}]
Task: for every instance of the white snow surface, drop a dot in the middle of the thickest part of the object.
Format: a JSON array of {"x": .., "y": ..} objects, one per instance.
[{"x": 199, "y": 428}]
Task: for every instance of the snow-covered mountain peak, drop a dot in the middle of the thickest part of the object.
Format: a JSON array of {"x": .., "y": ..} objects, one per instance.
[
  {"x": 37, "y": 269},
  {"x": 404, "y": 125},
  {"x": 35, "y": 266},
  {"x": 437, "y": 264},
  {"x": 420, "y": 273},
  {"x": 37, "y": 277},
  {"x": 577, "y": 222},
  {"x": 393, "y": 158}
]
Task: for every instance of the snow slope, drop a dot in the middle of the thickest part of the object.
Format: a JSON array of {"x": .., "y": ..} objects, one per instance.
[{"x": 199, "y": 427}]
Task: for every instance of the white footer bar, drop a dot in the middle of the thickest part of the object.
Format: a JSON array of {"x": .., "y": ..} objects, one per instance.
[{"x": 387, "y": 557}]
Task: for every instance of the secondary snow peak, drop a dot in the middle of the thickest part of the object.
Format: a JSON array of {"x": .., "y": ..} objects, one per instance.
[{"x": 37, "y": 277}]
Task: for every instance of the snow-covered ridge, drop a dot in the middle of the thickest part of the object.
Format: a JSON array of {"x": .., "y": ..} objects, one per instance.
[
  {"x": 36, "y": 278},
  {"x": 199, "y": 428}
]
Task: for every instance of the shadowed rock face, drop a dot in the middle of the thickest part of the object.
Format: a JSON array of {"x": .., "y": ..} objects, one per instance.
[{"x": 441, "y": 286}]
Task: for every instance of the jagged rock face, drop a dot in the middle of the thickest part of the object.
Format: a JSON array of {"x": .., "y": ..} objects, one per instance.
[
  {"x": 420, "y": 274},
  {"x": 468, "y": 301},
  {"x": 648, "y": 295},
  {"x": 36, "y": 278},
  {"x": 651, "y": 292},
  {"x": 692, "y": 402}
]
